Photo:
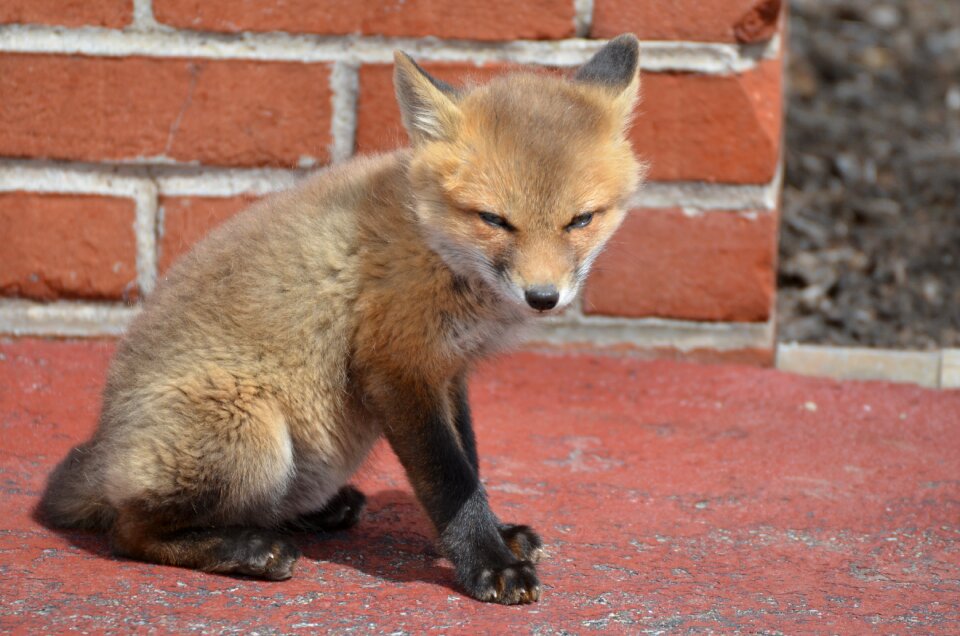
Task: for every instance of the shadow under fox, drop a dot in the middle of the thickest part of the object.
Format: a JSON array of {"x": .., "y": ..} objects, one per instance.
[{"x": 276, "y": 353}]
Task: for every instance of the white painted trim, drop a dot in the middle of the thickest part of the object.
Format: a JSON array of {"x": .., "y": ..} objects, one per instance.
[
  {"x": 699, "y": 57},
  {"x": 64, "y": 318}
]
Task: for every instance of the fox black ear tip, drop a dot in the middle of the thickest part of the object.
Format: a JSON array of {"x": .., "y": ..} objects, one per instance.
[
  {"x": 614, "y": 65},
  {"x": 629, "y": 42}
]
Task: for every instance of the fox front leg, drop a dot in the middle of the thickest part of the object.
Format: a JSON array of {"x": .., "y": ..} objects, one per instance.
[
  {"x": 425, "y": 438},
  {"x": 521, "y": 539}
]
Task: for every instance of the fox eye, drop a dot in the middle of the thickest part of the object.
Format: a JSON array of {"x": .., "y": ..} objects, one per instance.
[
  {"x": 580, "y": 221},
  {"x": 495, "y": 220}
]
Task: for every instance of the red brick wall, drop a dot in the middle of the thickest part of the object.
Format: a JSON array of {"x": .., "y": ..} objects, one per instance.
[
  {"x": 122, "y": 146},
  {"x": 114, "y": 14}
]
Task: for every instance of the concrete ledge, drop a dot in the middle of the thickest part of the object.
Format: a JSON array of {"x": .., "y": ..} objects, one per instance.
[
  {"x": 683, "y": 335},
  {"x": 950, "y": 369},
  {"x": 855, "y": 363},
  {"x": 91, "y": 319}
]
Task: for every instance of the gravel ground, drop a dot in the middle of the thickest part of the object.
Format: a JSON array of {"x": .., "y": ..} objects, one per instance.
[{"x": 870, "y": 242}]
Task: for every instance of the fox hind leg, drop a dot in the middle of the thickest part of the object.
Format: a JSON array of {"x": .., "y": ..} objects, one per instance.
[
  {"x": 146, "y": 535},
  {"x": 200, "y": 486},
  {"x": 342, "y": 512}
]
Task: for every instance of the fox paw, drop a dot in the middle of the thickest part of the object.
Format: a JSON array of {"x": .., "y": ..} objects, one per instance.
[
  {"x": 263, "y": 555},
  {"x": 525, "y": 544},
  {"x": 513, "y": 584}
]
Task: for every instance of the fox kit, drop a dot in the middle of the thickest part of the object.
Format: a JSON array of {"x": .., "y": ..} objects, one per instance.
[{"x": 276, "y": 353}]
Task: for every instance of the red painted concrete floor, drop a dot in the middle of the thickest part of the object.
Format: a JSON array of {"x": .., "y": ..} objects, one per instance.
[{"x": 674, "y": 498}]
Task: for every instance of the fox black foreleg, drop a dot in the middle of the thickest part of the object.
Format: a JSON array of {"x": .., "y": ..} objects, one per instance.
[
  {"x": 521, "y": 539},
  {"x": 424, "y": 433}
]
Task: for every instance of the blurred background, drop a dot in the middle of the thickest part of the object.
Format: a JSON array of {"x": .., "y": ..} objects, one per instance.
[{"x": 870, "y": 234}]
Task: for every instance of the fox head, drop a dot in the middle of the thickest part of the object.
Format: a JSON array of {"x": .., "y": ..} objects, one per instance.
[{"x": 521, "y": 181}]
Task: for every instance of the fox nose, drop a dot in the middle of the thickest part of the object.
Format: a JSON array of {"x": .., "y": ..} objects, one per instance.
[{"x": 542, "y": 297}]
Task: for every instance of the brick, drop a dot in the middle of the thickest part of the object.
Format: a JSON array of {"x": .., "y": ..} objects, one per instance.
[
  {"x": 716, "y": 266},
  {"x": 112, "y": 14},
  {"x": 234, "y": 113},
  {"x": 716, "y": 128},
  {"x": 690, "y": 127},
  {"x": 186, "y": 220},
  {"x": 67, "y": 246},
  {"x": 378, "y": 117},
  {"x": 744, "y": 21},
  {"x": 488, "y": 20}
]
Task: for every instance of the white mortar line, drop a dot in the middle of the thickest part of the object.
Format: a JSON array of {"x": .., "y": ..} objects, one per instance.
[
  {"x": 697, "y": 57},
  {"x": 699, "y": 196},
  {"x": 83, "y": 178},
  {"x": 44, "y": 178},
  {"x": 227, "y": 183},
  {"x": 583, "y": 17},
  {"x": 654, "y": 332},
  {"x": 143, "y": 19},
  {"x": 145, "y": 230},
  {"x": 345, "y": 84},
  {"x": 64, "y": 318}
]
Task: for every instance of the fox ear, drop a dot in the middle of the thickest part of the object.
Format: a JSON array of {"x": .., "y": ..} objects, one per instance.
[
  {"x": 615, "y": 67},
  {"x": 427, "y": 104}
]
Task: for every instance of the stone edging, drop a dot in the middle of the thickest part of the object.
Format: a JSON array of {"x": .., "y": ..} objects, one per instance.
[{"x": 931, "y": 369}]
